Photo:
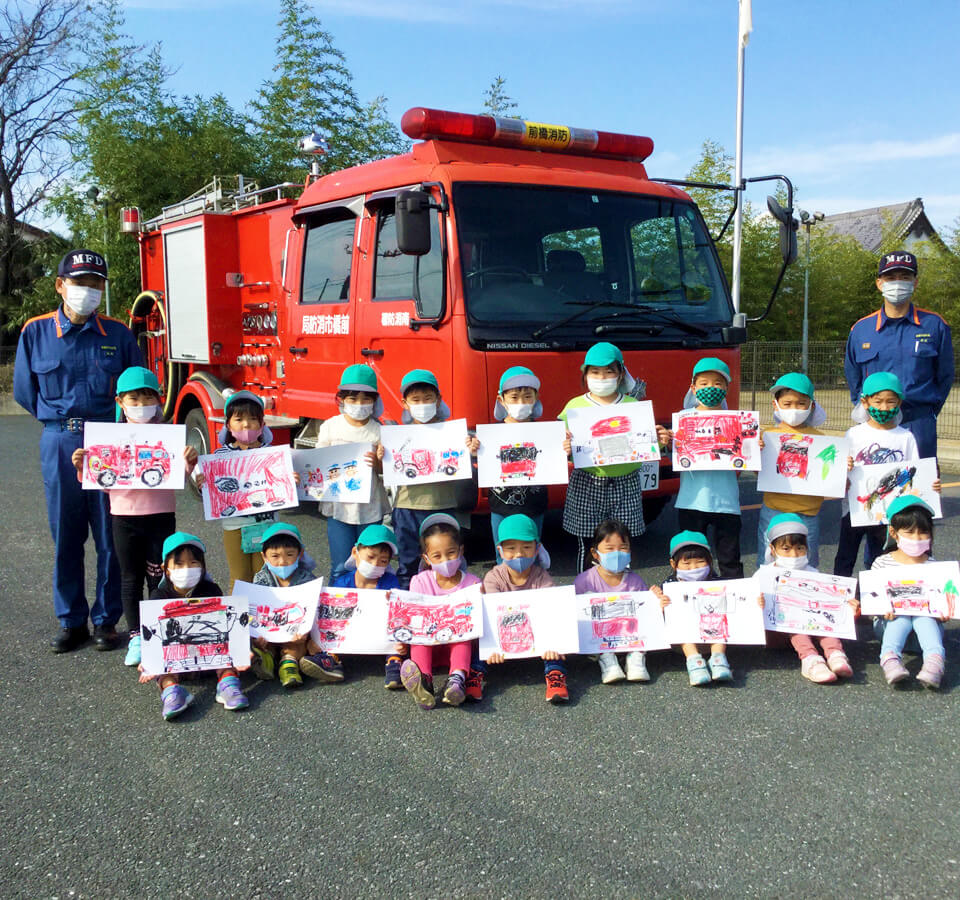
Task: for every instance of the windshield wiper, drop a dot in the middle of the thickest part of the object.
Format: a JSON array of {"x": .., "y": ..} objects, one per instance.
[
  {"x": 665, "y": 316},
  {"x": 587, "y": 306}
]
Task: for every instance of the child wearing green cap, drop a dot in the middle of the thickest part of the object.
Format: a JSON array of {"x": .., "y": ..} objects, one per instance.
[
  {"x": 358, "y": 398},
  {"x": 877, "y": 438},
  {"x": 711, "y": 499},
  {"x": 140, "y": 519},
  {"x": 185, "y": 576},
  {"x": 911, "y": 529},
  {"x": 794, "y": 412},
  {"x": 597, "y": 493},
  {"x": 422, "y": 405},
  {"x": 286, "y": 564}
]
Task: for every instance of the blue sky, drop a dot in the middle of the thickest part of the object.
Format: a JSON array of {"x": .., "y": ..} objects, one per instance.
[{"x": 857, "y": 101}]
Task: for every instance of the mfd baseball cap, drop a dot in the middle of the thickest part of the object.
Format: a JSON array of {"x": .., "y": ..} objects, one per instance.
[
  {"x": 82, "y": 262},
  {"x": 890, "y": 262}
]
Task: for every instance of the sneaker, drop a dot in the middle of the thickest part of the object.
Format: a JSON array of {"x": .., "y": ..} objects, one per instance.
[
  {"x": 610, "y": 670},
  {"x": 839, "y": 664},
  {"x": 893, "y": 669},
  {"x": 418, "y": 684},
  {"x": 637, "y": 666},
  {"x": 391, "y": 675},
  {"x": 323, "y": 666},
  {"x": 229, "y": 694},
  {"x": 262, "y": 664},
  {"x": 474, "y": 686},
  {"x": 133, "y": 651},
  {"x": 175, "y": 699},
  {"x": 931, "y": 674},
  {"x": 697, "y": 670},
  {"x": 557, "y": 686},
  {"x": 289, "y": 672},
  {"x": 455, "y": 692},
  {"x": 720, "y": 668},
  {"x": 815, "y": 669}
]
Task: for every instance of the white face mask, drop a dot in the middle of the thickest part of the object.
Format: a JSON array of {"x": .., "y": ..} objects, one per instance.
[
  {"x": 140, "y": 414},
  {"x": 697, "y": 574},
  {"x": 359, "y": 411},
  {"x": 519, "y": 411},
  {"x": 369, "y": 571},
  {"x": 422, "y": 412},
  {"x": 897, "y": 292},
  {"x": 794, "y": 416},
  {"x": 791, "y": 562},
  {"x": 602, "y": 387},
  {"x": 82, "y": 300},
  {"x": 185, "y": 579}
]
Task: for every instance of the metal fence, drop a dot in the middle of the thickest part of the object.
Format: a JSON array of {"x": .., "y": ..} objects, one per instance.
[{"x": 763, "y": 362}]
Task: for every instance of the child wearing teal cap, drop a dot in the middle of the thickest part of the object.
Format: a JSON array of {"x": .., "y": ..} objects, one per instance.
[
  {"x": 911, "y": 529},
  {"x": 358, "y": 399},
  {"x": 597, "y": 493},
  {"x": 185, "y": 576},
  {"x": 140, "y": 518},
  {"x": 285, "y": 564},
  {"x": 877, "y": 438},
  {"x": 794, "y": 412},
  {"x": 711, "y": 499}
]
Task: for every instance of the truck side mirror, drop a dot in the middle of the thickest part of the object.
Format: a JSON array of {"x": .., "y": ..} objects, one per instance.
[
  {"x": 413, "y": 222},
  {"x": 788, "y": 230}
]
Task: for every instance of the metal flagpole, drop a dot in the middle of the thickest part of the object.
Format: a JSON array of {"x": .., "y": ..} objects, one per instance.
[{"x": 745, "y": 27}]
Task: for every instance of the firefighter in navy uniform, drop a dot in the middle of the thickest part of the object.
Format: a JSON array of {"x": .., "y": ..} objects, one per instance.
[
  {"x": 65, "y": 374},
  {"x": 915, "y": 344}
]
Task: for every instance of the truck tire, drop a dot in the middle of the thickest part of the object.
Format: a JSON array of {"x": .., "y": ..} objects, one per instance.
[
  {"x": 152, "y": 477},
  {"x": 107, "y": 478},
  {"x": 198, "y": 437}
]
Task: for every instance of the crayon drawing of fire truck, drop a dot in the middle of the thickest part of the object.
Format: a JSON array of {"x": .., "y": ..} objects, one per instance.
[
  {"x": 711, "y": 606},
  {"x": 421, "y": 461},
  {"x": 793, "y": 455},
  {"x": 518, "y": 462},
  {"x": 892, "y": 485},
  {"x": 613, "y": 620},
  {"x": 714, "y": 436},
  {"x": 245, "y": 484},
  {"x": 333, "y": 617},
  {"x": 288, "y": 619},
  {"x": 514, "y": 630},
  {"x": 810, "y": 606},
  {"x": 125, "y": 464},
  {"x": 194, "y": 634},
  {"x": 413, "y": 622}
]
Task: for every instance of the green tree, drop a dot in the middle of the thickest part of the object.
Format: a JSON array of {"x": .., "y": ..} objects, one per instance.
[{"x": 496, "y": 101}]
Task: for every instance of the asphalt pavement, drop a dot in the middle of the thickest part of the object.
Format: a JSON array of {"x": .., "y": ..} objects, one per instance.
[{"x": 771, "y": 787}]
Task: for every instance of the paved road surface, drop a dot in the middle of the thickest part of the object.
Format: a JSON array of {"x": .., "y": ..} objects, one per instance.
[{"x": 770, "y": 787}]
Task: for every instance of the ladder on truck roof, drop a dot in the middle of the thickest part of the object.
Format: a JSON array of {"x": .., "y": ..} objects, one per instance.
[{"x": 221, "y": 195}]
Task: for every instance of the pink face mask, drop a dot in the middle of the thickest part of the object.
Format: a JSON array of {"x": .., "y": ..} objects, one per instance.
[
  {"x": 247, "y": 435},
  {"x": 914, "y": 548},
  {"x": 448, "y": 567}
]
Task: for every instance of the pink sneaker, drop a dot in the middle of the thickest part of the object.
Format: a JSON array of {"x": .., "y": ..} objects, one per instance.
[
  {"x": 815, "y": 669},
  {"x": 893, "y": 668},
  {"x": 839, "y": 664},
  {"x": 932, "y": 672}
]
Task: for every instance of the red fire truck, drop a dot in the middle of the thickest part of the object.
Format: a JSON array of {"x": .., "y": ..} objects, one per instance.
[
  {"x": 494, "y": 242},
  {"x": 112, "y": 464}
]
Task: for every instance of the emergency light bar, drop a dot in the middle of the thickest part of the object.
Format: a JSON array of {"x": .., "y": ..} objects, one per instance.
[{"x": 421, "y": 123}]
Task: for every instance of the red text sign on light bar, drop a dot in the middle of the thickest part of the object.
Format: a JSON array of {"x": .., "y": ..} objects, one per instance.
[{"x": 421, "y": 123}]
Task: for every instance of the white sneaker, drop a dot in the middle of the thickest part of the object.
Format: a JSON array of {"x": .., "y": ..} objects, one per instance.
[
  {"x": 610, "y": 670},
  {"x": 637, "y": 666}
]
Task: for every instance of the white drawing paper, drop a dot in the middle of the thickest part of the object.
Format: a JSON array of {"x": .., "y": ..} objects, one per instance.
[
  {"x": 613, "y": 434},
  {"x": 809, "y": 603},
  {"x": 921, "y": 590},
  {"x": 194, "y": 635},
  {"x": 520, "y": 454},
  {"x": 337, "y": 474},
  {"x": 126, "y": 456},
  {"x": 522, "y": 624},
  {"x": 874, "y": 488},
  {"x": 614, "y": 622},
  {"x": 248, "y": 482},
  {"x": 714, "y": 612},
  {"x": 810, "y": 464},
  {"x": 281, "y": 614},
  {"x": 414, "y": 618},
  {"x": 419, "y": 454},
  {"x": 716, "y": 439},
  {"x": 352, "y": 620}
]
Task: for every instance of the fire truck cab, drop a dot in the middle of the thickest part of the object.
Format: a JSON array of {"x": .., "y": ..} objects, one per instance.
[{"x": 492, "y": 243}]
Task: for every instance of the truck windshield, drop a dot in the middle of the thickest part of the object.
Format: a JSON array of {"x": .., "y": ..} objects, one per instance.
[{"x": 541, "y": 259}]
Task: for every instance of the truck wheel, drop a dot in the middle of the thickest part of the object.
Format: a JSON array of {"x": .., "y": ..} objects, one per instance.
[
  {"x": 152, "y": 477},
  {"x": 107, "y": 478},
  {"x": 227, "y": 511},
  {"x": 410, "y": 473},
  {"x": 738, "y": 463},
  {"x": 685, "y": 463},
  {"x": 402, "y": 635},
  {"x": 444, "y": 635},
  {"x": 198, "y": 437}
]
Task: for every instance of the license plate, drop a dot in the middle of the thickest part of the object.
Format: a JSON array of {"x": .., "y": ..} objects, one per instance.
[{"x": 649, "y": 475}]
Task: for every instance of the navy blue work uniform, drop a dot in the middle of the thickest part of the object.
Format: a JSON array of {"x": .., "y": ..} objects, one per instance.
[
  {"x": 66, "y": 374},
  {"x": 918, "y": 349}
]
